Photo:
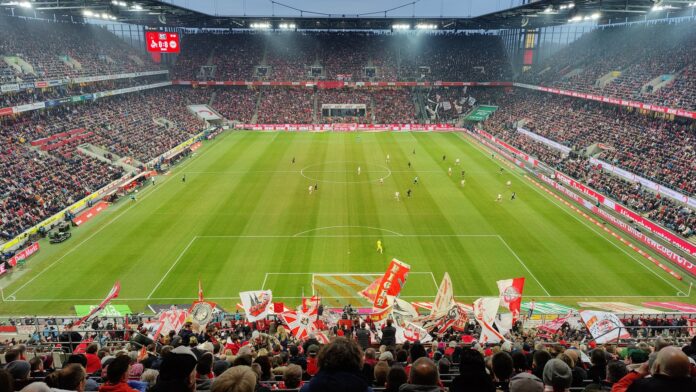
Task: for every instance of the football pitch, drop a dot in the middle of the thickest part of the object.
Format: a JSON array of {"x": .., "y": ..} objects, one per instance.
[{"x": 244, "y": 219}]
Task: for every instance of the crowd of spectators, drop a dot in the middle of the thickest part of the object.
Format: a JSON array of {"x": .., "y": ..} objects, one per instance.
[
  {"x": 674, "y": 216},
  {"x": 39, "y": 183},
  {"x": 236, "y": 104},
  {"x": 233, "y": 355},
  {"x": 286, "y": 105},
  {"x": 655, "y": 148},
  {"x": 9, "y": 99},
  {"x": 353, "y": 56},
  {"x": 638, "y": 54},
  {"x": 58, "y": 50}
]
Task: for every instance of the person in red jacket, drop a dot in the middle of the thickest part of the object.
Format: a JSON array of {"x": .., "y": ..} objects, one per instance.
[
  {"x": 93, "y": 361},
  {"x": 117, "y": 376}
]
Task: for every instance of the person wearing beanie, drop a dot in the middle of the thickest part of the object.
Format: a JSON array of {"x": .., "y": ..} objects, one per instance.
[
  {"x": 557, "y": 376},
  {"x": 177, "y": 371},
  {"x": 117, "y": 376},
  {"x": 526, "y": 382},
  {"x": 19, "y": 369}
]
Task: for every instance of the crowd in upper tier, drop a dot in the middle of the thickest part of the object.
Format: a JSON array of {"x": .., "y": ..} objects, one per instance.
[
  {"x": 40, "y": 50},
  {"x": 653, "y": 63},
  {"x": 348, "y": 56}
]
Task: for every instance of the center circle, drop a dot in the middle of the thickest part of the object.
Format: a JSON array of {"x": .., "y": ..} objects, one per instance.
[{"x": 345, "y": 172}]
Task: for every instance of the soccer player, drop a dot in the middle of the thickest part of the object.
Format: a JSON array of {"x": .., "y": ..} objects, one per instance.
[
  {"x": 409, "y": 164},
  {"x": 449, "y": 172},
  {"x": 153, "y": 181},
  {"x": 444, "y": 157},
  {"x": 379, "y": 247},
  {"x": 509, "y": 183},
  {"x": 132, "y": 196},
  {"x": 316, "y": 187},
  {"x": 463, "y": 173},
  {"x": 381, "y": 180},
  {"x": 414, "y": 151},
  {"x": 513, "y": 196},
  {"x": 462, "y": 182},
  {"x": 293, "y": 160},
  {"x": 456, "y": 162},
  {"x": 408, "y": 192},
  {"x": 415, "y": 180},
  {"x": 396, "y": 195},
  {"x": 387, "y": 158},
  {"x": 501, "y": 171},
  {"x": 358, "y": 170},
  {"x": 500, "y": 198},
  {"x": 183, "y": 179},
  {"x": 311, "y": 188}
]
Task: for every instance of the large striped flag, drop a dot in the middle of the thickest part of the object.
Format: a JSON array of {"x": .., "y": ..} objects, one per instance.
[
  {"x": 112, "y": 294},
  {"x": 301, "y": 322}
]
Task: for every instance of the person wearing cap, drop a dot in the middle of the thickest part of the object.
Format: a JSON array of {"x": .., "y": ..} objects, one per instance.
[
  {"x": 312, "y": 352},
  {"x": 177, "y": 371},
  {"x": 557, "y": 376},
  {"x": 526, "y": 382}
]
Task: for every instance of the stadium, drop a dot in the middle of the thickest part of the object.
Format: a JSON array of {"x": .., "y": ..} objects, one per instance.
[{"x": 323, "y": 195}]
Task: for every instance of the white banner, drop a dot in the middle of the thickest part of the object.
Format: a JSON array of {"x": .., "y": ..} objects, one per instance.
[
  {"x": 411, "y": 332},
  {"x": 257, "y": 304},
  {"x": 605, "y": 327},
  {"x": 485, "y": 310},
  {"x": 548, "y": 142},
  {"x": 444, "y": 300}
]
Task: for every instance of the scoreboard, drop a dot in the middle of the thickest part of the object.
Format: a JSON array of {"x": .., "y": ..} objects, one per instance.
[{"x": 162, "y": 42}]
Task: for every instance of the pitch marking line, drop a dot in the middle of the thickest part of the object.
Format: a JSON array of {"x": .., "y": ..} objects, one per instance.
[
  {"x": 348, "y": 227},
  {"x": 171, "y": 267},
  {"x": 476, "y": 146},
  {"x": 58, "y": 260},
  {"x": 523, "y": 264}
]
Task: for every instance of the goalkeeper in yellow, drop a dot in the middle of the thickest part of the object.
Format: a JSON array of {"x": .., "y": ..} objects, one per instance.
[{"x": 379, "y": 247}]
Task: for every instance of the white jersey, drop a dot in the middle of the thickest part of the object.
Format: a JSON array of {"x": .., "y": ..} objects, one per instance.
[
  {"x": 311, "y": 188},
  {"x": 396, "y": 195},
  {"x": 358, "y": 170},
  {"x": 509, "y": 183}
]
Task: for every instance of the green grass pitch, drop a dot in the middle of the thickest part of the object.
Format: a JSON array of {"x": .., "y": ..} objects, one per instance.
[{"x": 244, "y": 219}]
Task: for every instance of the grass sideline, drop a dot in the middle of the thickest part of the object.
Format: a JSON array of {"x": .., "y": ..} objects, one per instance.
[{"x": 244, "y": 215}]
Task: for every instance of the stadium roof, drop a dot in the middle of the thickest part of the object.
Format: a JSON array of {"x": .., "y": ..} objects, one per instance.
[{"x": 542, "y": 13}]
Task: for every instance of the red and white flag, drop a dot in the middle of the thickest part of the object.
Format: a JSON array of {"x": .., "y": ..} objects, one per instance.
[
  {"x": 390, "y": 285},
  {"x": 444, "y": 300},
  {"x": 112, "y": 294},
  {"x": 310, "y": 304},
  {"x": 511, "y": 295},
  {"x": 485, "y": 310},
  {"x": 301, "y": 323},
  {"x": 200, "y": 291}
]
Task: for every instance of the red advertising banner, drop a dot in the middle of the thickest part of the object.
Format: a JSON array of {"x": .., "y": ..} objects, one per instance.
[
  {"x": 162, "y": 42},
  {"x": 613, "y": 101},
  {"x": 90, "y": 213},
  {"x": 19, "y": 256},
  {"x": 5, "y": 111},
  {"x": 582, "y": 188}
]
